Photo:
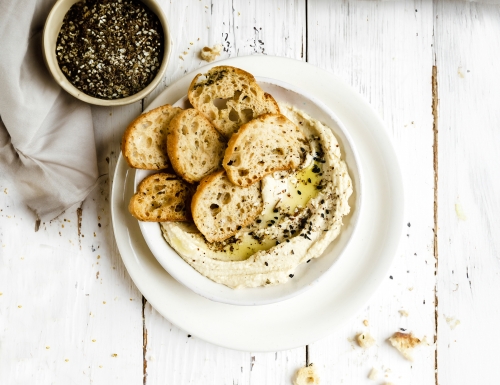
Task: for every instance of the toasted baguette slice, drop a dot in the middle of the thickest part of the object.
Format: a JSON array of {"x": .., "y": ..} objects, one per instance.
[
  {"x": 162, "y": 198},
  {"x": 220, "y": 208},
  {"x": 264, "y": 145},
  {"x": 144, "y": 141},
  {"x": 194, "y": 146},
  {"x": 229, "y": 97}
]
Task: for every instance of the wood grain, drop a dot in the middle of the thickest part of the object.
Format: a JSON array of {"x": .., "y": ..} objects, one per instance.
[
  {"x": 243, "y": 28},
  {"x": 384, "y": 50},
  {"x": 70, "y": 314},
  {"x": 467, "y": 56}
]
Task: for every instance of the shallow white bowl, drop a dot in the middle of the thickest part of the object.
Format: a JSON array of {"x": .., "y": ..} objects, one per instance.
[
  {"x": 49, "y": 39},
  {"x": 306, "y": 275}
]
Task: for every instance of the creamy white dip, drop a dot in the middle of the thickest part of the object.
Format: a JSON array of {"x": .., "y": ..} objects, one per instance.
[{"x": 302, "y": 215}]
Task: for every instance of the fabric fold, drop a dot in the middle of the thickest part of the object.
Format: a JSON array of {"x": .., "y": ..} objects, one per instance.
[{"x": 47, "y": 147}]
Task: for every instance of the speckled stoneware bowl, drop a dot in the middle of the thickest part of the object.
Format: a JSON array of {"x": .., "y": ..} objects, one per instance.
[{"x": 50, "y": 32}]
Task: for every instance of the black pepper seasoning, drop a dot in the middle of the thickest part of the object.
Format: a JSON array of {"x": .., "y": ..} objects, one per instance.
[{"x": 110, "y": 49}]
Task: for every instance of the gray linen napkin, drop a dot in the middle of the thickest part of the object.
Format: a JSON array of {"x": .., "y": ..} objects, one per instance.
[{"x": 47, "y": 148}]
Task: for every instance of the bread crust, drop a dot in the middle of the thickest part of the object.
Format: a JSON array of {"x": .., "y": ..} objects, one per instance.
[
  {"x": 162, "y": 197},
  {"x": 229, "y": 97},
  {"x": 271, "y": 100},
  {"x": 135, "y": 139},
  {"x": 201, "y": 203},
  {"x": 195, "y": 148},
  {"x": 268, "y": 163},
  {"x": 236, "y": 70}
]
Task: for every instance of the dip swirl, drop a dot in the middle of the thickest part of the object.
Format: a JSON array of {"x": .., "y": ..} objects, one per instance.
[{"x": 302, "y": 215}]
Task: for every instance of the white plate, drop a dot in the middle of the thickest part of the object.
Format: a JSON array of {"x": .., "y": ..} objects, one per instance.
[
  {"x": 306, "y": 275},
  {"x": 352, "y": 281}
]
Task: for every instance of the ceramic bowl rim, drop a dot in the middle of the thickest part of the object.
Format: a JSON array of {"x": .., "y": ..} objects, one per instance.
[{"x": 49, "y": 37}]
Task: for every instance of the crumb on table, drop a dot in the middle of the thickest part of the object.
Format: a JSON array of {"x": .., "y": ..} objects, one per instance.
[
  {"x": 365, "y": 340},
  {"x": 404, "y": 343},
  {"x": 373, "y": 375},
  {"x": 306, "y": 376},
  {"x": 210, "y": 54}
]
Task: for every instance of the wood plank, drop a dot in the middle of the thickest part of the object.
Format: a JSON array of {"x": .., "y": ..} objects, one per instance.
[
  {"x": 243, "y": 28},
  {"x": 384, "y": 51},
  {"x": 70, "y": 313},
  {"x": 468, "y": 53},
  {"x": 176, "y": 357}
]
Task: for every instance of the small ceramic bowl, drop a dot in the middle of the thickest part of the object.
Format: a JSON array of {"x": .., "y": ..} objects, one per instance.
[
  {"x": 306, "y": 275},
  {"x": 51, "y": 31}
]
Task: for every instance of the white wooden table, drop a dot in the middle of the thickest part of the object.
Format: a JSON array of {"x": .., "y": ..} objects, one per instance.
[{"x": 70, "y": 314}]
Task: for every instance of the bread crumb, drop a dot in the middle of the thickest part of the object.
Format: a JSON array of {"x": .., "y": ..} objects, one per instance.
[
  {"x": 209, "y": 54},
  {"x": 403, "y": 313},
  {"x": 306, "y": 376},
  {"x": 365, "y": 322},
  {"x": 425, "y": 341},
  {"x": 452, "y": 322},
  {"x": 365, "y": 340},
  {"x": 373, "y": 375},
  {"x": 460, "y": 212},
  {"x": 404, "y": 343}
]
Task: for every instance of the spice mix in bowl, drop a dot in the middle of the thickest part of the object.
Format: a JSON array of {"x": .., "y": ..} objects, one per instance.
[{"x": 107, "y": 52}]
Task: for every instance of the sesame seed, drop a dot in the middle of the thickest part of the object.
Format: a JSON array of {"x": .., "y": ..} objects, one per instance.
[{"x": 126, "y": 63}]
